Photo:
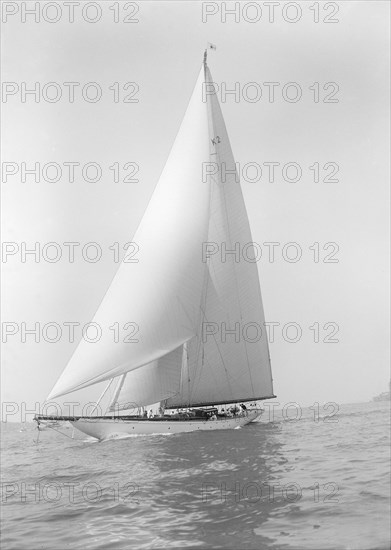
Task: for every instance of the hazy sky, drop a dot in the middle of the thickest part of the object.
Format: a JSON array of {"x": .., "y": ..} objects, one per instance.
[{"x": 162, "y": 53}]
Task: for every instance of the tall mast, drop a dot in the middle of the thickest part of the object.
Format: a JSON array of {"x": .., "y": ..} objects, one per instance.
[{"x": 240, "y": 370}]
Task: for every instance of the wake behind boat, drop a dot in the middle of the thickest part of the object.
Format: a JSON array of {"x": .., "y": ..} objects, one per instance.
[{"x": 193, "y": 295}]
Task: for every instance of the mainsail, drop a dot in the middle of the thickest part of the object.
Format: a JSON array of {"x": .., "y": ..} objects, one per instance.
[
  {"x": 186, "y": 306},
  {"x": 229, "y": 359}
]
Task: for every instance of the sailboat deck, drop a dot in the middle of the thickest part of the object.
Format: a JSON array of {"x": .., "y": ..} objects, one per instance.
[{"x": 167, "y": 418}]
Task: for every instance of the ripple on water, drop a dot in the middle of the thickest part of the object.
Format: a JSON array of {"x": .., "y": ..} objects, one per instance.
[{"x": 220, "y": 489}]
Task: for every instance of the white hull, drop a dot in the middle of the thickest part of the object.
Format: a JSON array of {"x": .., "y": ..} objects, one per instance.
[{"x": 102, "y": 429}]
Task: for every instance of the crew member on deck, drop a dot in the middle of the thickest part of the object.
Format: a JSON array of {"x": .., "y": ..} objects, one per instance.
[{"x": 235, "y": 410}]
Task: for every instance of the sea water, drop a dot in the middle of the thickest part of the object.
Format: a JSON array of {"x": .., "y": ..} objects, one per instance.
[{"x": 295, "y": 480}]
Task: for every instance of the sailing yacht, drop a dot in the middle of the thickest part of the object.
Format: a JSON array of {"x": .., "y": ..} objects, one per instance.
[{"x": 192, "y": 293}]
